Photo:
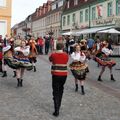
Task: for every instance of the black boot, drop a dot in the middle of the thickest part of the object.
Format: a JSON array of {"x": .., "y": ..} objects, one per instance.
[
  {"x": 14, "y": 74},
  {"x": 87, "y": 70},
  {"x": 76, "y": 87},
  {"x": 112, "y": 78},
  {"x": 21, "y": 82},
  {"x": 18, "y": 83},
  {"x": 56, "y": 106},
  {"x": 99, "y": 78},
  {"x": 4, "y": 74},
  {"x": 82, "y": 90},
  {"x": 34, "y": 69}
]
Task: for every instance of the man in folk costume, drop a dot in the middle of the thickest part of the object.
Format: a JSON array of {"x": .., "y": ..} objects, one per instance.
[
  {"x": 59, "y": 61},
  {"x": 103, "y": 59},
  {"x": 33, "y": 52}
]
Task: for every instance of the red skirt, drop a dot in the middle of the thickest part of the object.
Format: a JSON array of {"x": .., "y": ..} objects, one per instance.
[{"x": 105, "y": 62}]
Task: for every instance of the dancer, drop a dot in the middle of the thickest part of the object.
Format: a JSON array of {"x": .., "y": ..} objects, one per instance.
[
  {"x": 21, "y": 56},
  {"x": 59, "y": 61},
  {"x": 103, "y": 59},
  {"x": 78, "y": 68},
  {"x": 33, "y": 52}
]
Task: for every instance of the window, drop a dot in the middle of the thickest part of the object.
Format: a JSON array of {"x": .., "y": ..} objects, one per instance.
[
  {"x": 110, "y": 12},
  {"x": 75, "y": 2},
  {"x": 68, "y": 4},
  {"x": 2, "y": 3},
  {"x": 118, "y": 7},
  {"x": 73, "y": 17},
  {"x": 3, "y": 28},
  {"x": 64, "y": 21},
  {"x": 93, "y": 13},
  {"x": 86, "y": 15},
  {"x": 68, "y": 20},
  {"x": 81, "y": 16}
]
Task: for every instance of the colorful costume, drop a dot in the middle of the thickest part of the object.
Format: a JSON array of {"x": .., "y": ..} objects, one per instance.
[
  {"x": 103, "y": 57},
  {"x": 78, "y": 67},
  {"x": 19, "y": 59}
]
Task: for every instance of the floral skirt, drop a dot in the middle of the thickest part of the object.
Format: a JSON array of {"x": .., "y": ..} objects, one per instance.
[
  {"x": 105, "y": 62},
  {"x": 78, "y": 70},
  {"x": 16, "y": 63}
]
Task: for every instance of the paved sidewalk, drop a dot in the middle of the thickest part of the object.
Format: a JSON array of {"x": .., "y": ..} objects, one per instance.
[{"x": 34, "y": 100}]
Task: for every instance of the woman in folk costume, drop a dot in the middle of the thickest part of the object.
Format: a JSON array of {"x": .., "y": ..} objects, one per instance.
[
  {"x": 83, "y": 46},
  {"x": 78, "y": 68},
  {"x": 22, "y": 61},
  {"x": 103, "y": 59},
  {"x": 7, "y": 52},
  {"x": 33, "y": 52}
]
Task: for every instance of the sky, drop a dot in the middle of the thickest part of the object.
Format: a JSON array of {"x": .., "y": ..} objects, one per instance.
[{"x": 22, "y": 8}]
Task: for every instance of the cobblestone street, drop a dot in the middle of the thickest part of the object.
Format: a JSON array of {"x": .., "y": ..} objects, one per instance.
[{"x": 34, "y": 100}]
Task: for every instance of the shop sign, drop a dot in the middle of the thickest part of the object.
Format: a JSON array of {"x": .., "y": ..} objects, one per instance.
[{"x": 107, "y": 21}]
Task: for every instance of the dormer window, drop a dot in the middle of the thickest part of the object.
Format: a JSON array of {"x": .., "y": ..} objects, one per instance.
[
  {"x": 75, "y": 2},
  {"x": 68, "y": 4}
]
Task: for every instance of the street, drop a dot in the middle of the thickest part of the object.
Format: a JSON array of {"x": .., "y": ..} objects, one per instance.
[{"x": 34, "y": 100}]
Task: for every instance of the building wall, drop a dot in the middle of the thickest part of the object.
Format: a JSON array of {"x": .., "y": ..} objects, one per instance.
[
  {"x": 5, "y": 16},
  {"x": 104, "y": 20}
]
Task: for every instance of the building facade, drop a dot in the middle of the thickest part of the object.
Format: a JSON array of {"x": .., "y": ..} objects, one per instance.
[
  {"x": 5, "y": 17},
  {"x": 83, "y": 14},
  {"x": 46, "y": 19}
]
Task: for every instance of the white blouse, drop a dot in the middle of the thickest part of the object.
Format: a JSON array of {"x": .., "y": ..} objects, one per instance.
[
  {"x": 76, "y": 56},
  {"x": 25, "y": 50},
  {"x": 107, "y": 51}
]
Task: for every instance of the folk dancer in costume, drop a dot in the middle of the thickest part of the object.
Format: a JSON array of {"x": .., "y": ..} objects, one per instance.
[
  {"x": 83, "y": 47},
  {"x": 78, "y": 68},
  {"x": 33, "y": 52},
  {"x": 21, "y": 56},
  {"x": 103, "y": 59},
  {"x": 59, "y": 71},
  {"x": 7, "y": 50}
]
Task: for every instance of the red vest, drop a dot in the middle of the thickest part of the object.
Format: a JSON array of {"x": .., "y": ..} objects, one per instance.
[{"x": 59, "y": 63}]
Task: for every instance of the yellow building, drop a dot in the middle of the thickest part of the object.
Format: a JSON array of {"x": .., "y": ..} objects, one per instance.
[{"x": 5, "y": 17}]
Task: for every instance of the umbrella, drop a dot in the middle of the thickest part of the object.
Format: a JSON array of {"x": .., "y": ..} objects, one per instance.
[{"x": 112, "y": 30}]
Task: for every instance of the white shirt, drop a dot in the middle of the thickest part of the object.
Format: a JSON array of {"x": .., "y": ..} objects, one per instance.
[
  {"x": 78, "y": 57},
  {"x": 25, "y": 50},
  {"x": 107, "y": 51}
]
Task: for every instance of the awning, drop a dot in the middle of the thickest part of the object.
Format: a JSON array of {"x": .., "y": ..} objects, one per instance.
[
  {"x": 112, "y": 31},
  {"x": 68, "y": 33},
  {"x": 91, "y": 30}
]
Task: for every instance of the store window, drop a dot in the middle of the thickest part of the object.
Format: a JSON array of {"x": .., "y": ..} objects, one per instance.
[
  {"x": 68, "y": 20},
  {"x": 81, "y": 16},
  {"x": 93, "y": 13},
  {"x": 110, "y": 9},
  {"x": 86, "y": 15},
  {"x": 118, "y": 7},
  {"x": 73, "y": 17},
  {"x": 64, "y": 21}
]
